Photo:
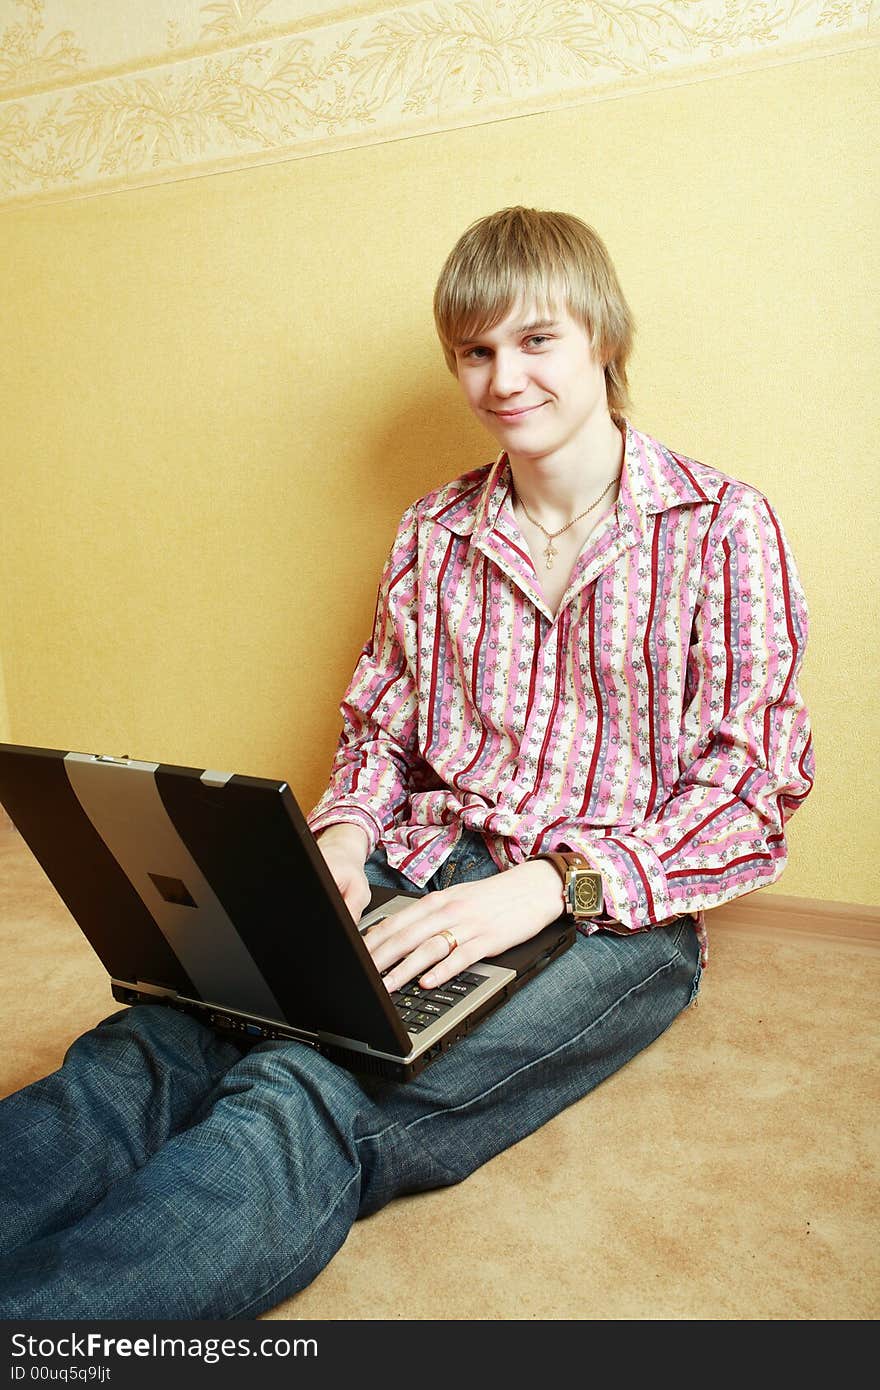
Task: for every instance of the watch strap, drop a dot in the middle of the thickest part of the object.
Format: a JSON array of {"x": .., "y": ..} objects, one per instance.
[
  {"x": 582, "y": 895},
  {"x": 563, "y": 860}
]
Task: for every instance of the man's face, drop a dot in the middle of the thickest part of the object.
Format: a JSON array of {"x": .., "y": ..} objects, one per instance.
[{"x": 533, "y": 381}]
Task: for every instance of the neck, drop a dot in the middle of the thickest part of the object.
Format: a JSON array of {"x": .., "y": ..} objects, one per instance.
[{"x": 557, "y": 487}]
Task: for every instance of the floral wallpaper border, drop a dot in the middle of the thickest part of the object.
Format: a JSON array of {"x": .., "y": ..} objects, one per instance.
[{"x": 245, "y": 90}]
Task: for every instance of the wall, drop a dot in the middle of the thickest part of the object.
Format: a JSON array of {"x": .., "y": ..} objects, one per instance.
[
  {"x": 220, "y": 392},
  {"x": 5, "y": 730}
]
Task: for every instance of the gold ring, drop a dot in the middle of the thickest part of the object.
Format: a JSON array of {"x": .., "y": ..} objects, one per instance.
[{"x": 449, "y": 938}]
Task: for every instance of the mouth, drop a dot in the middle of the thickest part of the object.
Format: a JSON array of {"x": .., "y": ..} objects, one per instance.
[{"x": 520, "y": 413}]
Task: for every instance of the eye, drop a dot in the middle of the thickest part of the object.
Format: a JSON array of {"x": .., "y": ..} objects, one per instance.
[
  {"x": 538, "y": 339},
  {"x": 473, "y": 353}
]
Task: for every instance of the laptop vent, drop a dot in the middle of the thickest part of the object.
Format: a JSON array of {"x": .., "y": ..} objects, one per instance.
[{"x": 372, "y": 1066}]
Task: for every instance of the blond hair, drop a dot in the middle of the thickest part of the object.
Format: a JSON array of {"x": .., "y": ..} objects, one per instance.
[{"x": 526, "y": 253}]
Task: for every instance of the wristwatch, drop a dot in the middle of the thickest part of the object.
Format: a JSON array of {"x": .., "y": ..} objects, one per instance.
[{"x": 581, "y": 886}]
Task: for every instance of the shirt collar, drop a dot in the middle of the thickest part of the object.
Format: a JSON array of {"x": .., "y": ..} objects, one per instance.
[
  {"x": 653, "y": 480},
  {"x": 476, "y": 507}
]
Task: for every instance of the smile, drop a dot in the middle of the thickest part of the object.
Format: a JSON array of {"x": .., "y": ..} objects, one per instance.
[{"x": 520, "y": 414}]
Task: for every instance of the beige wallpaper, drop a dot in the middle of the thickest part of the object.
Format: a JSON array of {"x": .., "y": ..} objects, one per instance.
[
  {"x": 97, "y": 95},
  {"x": 5, "y": 733}
]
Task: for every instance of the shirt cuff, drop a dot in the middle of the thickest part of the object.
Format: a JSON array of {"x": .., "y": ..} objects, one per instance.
[
  {"x": 634, "y": 885},
  {"x": 347, "y": 813}
]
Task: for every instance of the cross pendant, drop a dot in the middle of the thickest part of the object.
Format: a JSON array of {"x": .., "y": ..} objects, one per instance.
[{"x": 550, "y": 554}]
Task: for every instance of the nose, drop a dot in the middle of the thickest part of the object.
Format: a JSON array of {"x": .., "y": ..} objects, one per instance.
[{"x": 508, "y": 376}]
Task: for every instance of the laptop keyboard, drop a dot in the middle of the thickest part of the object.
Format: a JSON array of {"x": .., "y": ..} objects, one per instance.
[{"x": 420, "y": 1007}]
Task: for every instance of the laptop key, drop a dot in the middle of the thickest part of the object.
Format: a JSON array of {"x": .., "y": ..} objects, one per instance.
[{"x": 437, "y": 996}]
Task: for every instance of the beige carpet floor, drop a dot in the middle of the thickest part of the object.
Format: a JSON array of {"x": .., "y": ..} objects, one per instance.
[{"x": 729, "y": 1172}]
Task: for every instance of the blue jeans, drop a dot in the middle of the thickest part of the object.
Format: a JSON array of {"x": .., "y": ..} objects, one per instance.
[{"x": 164, "y": 1172}]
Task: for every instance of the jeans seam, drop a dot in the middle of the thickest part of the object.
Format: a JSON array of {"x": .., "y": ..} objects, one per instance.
[
  {"x": 538, "y": 1061},
  {"x": 266, "y": 1293},
  {"x": 683, "y": 923}
]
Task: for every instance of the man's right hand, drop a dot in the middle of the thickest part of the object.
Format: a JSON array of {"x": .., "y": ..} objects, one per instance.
[{"x": 345, "y": 848}]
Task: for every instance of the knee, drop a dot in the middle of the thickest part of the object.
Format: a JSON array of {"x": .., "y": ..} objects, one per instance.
[
  {"x": 151, "y": 1035},
  {"x": 151, "y": 1025}
]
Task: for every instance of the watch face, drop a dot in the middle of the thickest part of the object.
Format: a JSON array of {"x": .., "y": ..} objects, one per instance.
[{"x": 587, "y": 895}]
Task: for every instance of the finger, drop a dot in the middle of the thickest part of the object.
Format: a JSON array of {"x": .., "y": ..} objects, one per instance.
[
  {"x": 398, "y": 942},
  {"x": 394, "y": 936},
  {"x": 355, "y": 902},
  {"x": 447, "y": 969},
  {"x": 395, "y": 948},
  {"x": 355, "y": 893},
  {"x": 397, "y": 923},
  {"x": 431, "y": 953}
]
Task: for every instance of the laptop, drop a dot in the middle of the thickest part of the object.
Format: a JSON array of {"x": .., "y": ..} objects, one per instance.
[{"x": 206, "y": 891}]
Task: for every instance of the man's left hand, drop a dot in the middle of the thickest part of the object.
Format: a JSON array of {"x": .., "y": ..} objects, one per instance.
[{"x": 485, "y": 917}]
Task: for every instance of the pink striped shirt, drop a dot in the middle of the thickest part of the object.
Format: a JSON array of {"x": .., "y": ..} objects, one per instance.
[{"x": 654, "y": 723}]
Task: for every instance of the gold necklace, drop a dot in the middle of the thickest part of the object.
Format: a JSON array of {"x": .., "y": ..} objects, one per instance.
[{"x": 549, "y": 553}]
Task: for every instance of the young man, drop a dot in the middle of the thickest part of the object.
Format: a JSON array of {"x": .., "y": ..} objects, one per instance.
[{"x": 582, "y": 672}]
